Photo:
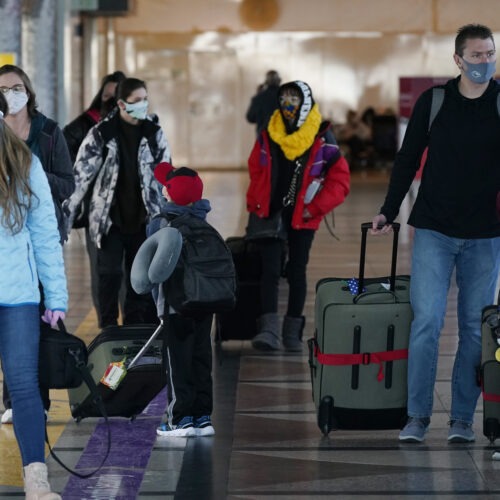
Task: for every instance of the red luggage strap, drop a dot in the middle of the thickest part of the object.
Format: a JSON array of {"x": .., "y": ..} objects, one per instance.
[
  {"x": 364, "y": 358},
  {"x": 487, "y": 396},
  {"x": 493, "y": 398}
]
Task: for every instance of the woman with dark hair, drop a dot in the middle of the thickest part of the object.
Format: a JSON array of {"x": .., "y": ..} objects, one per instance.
[
  {"x": 115, "y": 163},
  {"x": 103, "y": 102},
  {"x": 30, "y": 251},
  {"x": 45, "y": 139}
]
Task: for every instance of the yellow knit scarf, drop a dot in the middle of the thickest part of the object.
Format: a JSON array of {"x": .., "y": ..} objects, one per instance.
[{"x": 297, "y": 143}]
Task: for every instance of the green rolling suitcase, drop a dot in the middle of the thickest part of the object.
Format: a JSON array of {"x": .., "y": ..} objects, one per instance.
[
  {"x": 144, "y": 380},
  {"x": 490, "y": 370},
  {"x": 358, "y": 356}
]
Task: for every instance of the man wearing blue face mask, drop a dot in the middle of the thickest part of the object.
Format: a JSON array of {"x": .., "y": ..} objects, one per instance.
[
  {"x": 116, "y": 162},
  {"x": 456, "y": 228}
]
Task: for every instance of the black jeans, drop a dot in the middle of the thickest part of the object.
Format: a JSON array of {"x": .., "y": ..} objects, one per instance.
[
  {"x": 189, "y": 375},
  {"x": 299, "y": 243},
  {"x": 116, "y": 256}
]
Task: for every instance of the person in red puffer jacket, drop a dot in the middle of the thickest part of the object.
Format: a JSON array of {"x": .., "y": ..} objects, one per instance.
[{"x": 297, "y": 174}]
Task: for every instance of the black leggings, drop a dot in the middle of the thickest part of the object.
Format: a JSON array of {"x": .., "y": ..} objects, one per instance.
[
  {"x": 298, "y": 243},
  {"x": 115, "y": 256}
]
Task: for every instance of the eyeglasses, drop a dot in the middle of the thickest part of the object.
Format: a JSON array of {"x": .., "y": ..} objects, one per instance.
[{"x": 15, "y": 88}]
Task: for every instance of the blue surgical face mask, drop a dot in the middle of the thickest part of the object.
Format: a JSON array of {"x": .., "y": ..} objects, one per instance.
[
  {"x": 480, "y": 72},
  {"x": 138, "y": 110}
]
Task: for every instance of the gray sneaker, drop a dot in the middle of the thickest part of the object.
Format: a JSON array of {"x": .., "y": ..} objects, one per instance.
[
  {"x": 460, "y": 432},
  {"x": 414, "y": 430}
]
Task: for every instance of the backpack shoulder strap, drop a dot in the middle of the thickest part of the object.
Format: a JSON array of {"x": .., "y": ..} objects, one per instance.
[{"x": 437, "y": 102}]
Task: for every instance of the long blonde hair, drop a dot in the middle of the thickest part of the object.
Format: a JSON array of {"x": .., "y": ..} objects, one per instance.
[{"x": 15, "y": 163}]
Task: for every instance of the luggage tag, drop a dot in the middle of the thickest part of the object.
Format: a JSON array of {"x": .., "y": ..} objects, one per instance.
[{"x": 114, "y": 374}]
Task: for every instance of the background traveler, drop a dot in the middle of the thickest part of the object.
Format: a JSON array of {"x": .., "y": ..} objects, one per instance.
[
  {"x": 116, "y": 162},
  {"x": 265, "y": 102},
  {"x": 293, "y": 154},
  {"x": 74, "y": 132}
]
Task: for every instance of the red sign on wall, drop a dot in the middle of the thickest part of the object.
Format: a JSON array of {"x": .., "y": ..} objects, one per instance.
[{"x": 410, "y": 89}]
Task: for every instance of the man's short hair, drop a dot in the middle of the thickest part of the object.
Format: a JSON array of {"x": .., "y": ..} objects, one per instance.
[{"x": 471, "y": 31}]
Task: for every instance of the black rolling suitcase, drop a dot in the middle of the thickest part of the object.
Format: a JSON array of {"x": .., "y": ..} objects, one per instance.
[
  {"x": 241, "y": 322},
  {"x": 141, "y": 348},
  {"x": 490, "y": 370},
  {"x": 358, "y": 356}
]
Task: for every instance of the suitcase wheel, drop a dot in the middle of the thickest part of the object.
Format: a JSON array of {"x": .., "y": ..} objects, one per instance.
[
  {"x": 325, "y": 415},
  {"x": 491, "y": 429}
]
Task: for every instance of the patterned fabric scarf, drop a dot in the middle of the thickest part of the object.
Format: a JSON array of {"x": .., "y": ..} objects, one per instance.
[{"x": 297, "y": 143}]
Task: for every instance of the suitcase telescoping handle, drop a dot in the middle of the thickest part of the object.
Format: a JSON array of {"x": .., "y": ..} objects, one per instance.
[
  {"x": 365, "y": 226},
  {"x": 146, "y": 345}
]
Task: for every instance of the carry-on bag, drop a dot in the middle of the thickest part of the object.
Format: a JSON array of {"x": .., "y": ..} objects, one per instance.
[
  {"x": 490, "y": 370},
  {"x": 241, "y": 322},
  {"x": 62, "y": 356},
  {"x": 358, "y": 356},
  {"x": 63, "y": 359},
  {"x": 145, "y": 376}
]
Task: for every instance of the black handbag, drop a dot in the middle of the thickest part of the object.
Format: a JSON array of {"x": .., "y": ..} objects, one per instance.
[
  {"x": 262, "y": 228},
  {"x": 62, "y": 364},
  {"x": 61, "y": 357}
]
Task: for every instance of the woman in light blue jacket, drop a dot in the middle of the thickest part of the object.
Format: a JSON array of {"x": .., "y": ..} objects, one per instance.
[{"x": 29, "y": 251}]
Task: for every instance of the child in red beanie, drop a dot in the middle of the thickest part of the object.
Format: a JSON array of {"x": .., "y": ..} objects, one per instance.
[{"x": 187, "y": 347}]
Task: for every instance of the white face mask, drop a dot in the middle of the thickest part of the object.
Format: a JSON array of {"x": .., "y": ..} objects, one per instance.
[
  {"x": 137, "y": 110},
  {"x": 16, "y": 101}
]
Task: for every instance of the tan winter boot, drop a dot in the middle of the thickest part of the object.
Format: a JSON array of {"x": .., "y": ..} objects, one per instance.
[
  {"x": 292, "y": 333},
  {"x": 36, "y": 483},
  {"x": 268, "y": 338}
]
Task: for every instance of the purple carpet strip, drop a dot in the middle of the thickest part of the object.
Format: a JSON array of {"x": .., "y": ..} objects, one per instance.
[{"x": 131, "y": 445}]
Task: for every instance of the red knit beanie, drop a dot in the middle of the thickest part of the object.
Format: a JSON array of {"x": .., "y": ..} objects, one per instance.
[{"x": 183, "y": 184}]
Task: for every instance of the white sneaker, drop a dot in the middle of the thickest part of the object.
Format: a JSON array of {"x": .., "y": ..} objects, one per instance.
[
  {"x": 7, "y": 416},
  {"x": 183, "y": 429}
]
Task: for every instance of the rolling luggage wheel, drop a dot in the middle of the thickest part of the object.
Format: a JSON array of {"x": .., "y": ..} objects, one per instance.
[
  {"x": 325, "y": 415},
  {"x": 491, "y": 429}
]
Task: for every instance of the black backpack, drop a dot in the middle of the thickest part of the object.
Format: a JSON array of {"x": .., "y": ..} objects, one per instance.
[{"x": 204, "y": 280}]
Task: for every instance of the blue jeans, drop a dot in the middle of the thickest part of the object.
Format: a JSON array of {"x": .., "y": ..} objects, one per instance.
[
  {"x": 434, "y": 258},
  {"x": 19, "y": 341}
]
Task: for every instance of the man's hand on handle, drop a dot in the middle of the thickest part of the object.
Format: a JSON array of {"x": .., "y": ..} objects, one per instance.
[{"x": 380, "y": 226}]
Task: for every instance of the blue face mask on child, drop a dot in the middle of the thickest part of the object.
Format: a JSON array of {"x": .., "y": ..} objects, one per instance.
[{"x": 480, "y": 72}]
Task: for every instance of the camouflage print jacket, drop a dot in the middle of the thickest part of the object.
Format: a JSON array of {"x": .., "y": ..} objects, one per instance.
[{"x": 97, "y": 165}]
